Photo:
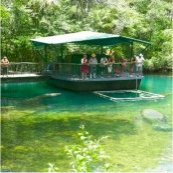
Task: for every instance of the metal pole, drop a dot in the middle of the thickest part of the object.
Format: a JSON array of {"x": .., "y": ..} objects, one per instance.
[
  {"x": 45, "y": 54},
  {"x": 131, "y": 51},
  {"x": 101, "y": 51},
  {"x": 62, "y": 52}
]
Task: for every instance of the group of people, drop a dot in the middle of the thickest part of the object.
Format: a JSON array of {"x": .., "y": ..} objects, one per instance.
[
  {"x": 4, "y": 66},
  {"x": 89, "y": 67}
]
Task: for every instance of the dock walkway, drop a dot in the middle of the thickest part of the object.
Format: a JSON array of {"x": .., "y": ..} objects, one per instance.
[{"x": 21, "y": 77}]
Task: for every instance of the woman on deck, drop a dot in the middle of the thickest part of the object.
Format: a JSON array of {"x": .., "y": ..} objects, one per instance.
[
  {"x": 123, "y": 65},
  {"x": 84, "y": 67},
  {"x": 132, "y": 69}
]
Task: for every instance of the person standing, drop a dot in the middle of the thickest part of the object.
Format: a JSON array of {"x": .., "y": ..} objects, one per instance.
[
  {"x": 132, "y": 68},
  {"x": 139, "y": 63},
  {"x": 84, "y": 67},
  {"x": 4, "y": 66},
  {"x": 111, "y": 61},
  {"x": 103, "y": 64},
  {"x": 93, "y": 65},
  {"x": 123, "y": 65}
]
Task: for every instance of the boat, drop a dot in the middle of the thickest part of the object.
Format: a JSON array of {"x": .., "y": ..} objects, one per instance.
[{"x": 67, "y": 74}]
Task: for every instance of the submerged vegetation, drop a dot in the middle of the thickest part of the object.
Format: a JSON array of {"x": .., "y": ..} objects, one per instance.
[{"x": 31, "y": 140}]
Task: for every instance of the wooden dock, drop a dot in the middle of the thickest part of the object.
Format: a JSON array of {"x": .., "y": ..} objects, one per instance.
[{"x": 21, "y": 77}]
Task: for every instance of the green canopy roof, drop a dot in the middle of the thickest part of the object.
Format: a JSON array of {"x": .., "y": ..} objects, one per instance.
[{"x": 86, "y": 37}]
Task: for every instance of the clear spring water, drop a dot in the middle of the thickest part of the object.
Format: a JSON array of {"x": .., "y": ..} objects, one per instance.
[
  {"x": 29, "y": 144},
  {"x": 41, "y": 94}
]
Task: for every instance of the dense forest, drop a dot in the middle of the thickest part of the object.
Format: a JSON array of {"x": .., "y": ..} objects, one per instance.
[{"x": 149, "y": 20}]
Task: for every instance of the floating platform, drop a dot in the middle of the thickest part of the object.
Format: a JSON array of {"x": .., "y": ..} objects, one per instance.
[{"x": 128, "y": 95}]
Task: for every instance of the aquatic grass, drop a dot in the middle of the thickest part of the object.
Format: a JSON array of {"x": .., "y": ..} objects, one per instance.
[
  {"x": 31, "y": 140},
  {"x": 138, "y": 151}
]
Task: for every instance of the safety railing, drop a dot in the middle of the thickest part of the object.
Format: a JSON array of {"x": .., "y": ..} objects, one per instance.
[
  {"x": 73, "y": 70},
  {"x": 127, "y": 69},
  {"x": 24, "y": 67}
]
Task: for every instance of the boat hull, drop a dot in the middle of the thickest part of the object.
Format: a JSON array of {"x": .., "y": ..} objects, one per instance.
[{"x": 97, "y": 84}]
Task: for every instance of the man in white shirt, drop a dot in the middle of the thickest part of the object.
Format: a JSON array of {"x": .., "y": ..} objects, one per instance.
[{"x": 139, "y": 63}]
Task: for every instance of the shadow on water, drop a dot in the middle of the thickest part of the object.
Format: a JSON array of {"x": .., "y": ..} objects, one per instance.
[{"x": 66, "y": 127}]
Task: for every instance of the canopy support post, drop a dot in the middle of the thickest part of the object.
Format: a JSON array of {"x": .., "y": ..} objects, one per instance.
[
  {"x": 101, "y": 51},
  {"x": 131, "y": 51},
  {"x": 62, "y": 52},
  {"x": 45, "y": 53}
]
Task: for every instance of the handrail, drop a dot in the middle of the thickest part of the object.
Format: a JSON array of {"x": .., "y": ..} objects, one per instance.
[
  {"x": 22, "y": 63},
  {"x": 89, "y": 63},
  {"x": 94, "y": 70},
  {"x": 24, "y": 67},
  {"x": 76, "y": 69}
]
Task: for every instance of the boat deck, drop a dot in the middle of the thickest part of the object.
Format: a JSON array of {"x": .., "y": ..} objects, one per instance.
[{"x": 106, "y": 78}]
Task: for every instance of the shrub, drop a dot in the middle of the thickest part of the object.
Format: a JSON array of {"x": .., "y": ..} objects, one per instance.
[{"x": 88, "y": 156}]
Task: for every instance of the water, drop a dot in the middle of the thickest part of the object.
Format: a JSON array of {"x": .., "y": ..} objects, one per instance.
[
  {"x": 23, "y": 95},
  {"x": 34, "y": 112}
]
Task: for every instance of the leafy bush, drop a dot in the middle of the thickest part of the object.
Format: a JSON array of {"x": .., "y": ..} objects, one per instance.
[
  {"x": 148, "y": 64},
  {"x": 88, "y": 156},
  {"x": 52, "y": 168},
  {"x": 158, "y": 63}
]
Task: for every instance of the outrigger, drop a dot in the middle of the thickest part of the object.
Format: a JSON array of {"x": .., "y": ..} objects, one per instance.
[{"x": 67, "y": 75}]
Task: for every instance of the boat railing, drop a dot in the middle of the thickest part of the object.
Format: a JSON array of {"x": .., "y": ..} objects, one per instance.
[
  {"x": 127, "y": 69},
  {"x": 24, "y": 67}
]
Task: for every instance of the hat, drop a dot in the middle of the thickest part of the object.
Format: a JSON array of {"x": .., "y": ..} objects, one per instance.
[
  {"x": 109, "y": 52},
  {"x": 93, "y": 55}
]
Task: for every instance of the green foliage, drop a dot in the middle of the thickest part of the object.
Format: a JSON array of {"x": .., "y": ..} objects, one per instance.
[
  {"x": 88, "y": 156},
  {"x": 150, "y": 20},
  {"x": 52, "y": 168}
]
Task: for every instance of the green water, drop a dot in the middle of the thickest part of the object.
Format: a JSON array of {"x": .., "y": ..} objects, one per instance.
[{"x": 39, "y": 120}]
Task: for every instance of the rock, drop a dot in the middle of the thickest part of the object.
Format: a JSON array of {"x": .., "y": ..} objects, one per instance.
[
  {"x": 152, "y": 116},
  {"x": 162, "y": 127}
]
